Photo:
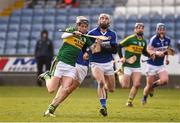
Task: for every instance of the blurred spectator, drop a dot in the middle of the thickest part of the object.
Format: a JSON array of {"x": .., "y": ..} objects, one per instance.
[
  {"x": 178, "y": 48},
  {"x": 43, "y": 53},
  {"x": 123, "y": 2},
  {"x": 29, "y": 4},
  {"x": 60, "y": 4},
  {"x": 67, "y": 4}
]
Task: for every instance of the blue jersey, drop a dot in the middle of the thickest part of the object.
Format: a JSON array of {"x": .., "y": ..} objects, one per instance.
[
  {"x": 158, "y": 45},
  {"x": 81, "y": 61},
  {"x": 103, "y": 57}
]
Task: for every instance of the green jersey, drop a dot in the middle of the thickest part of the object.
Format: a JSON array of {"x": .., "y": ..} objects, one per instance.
[
  {"x": 133, "y": 46},
  {"x": 71, "y": 47}
]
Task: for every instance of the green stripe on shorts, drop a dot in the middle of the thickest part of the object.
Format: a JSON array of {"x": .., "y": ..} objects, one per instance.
[{"x": 53, "y": 66}]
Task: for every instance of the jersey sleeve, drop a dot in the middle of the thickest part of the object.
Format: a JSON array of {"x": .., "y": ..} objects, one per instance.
[
  {"x": 113, "y": 40},
  {"x": 70, "y": 29},
  {"x": 144, "y": 52},
  {"x": 91, "y": 33},
  {"x": 150, "y": 43},
  {"x": 170, "y": 43},
  {"x": 88, "y": 42},
  {"x": 124, "y": 42}
]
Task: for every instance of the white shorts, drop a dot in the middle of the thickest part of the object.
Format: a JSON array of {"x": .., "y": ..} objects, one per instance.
[
  {"x": 63, "y": 69},
  {"x": 107, "y": 68},
  {"x": 153, "y": 70},
  {"x": 82, "y": 72},
  {"x": 130, "y": 70}
]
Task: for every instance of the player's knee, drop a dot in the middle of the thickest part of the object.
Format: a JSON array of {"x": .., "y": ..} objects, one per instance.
[
  {"x": 137, "y": 85},
  {"x": 124, "y": 86},
  {"x": 51, "y": 90},
  {"x": 101, "y": 85},
  {"x": 164, "y": 81},
  {"x": 148, "y": 87}
]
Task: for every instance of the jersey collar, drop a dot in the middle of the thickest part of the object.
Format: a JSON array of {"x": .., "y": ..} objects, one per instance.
[{"x": 103, "y": 33}]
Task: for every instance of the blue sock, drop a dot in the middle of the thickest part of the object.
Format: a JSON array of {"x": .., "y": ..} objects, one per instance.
[
  {"x": 155, "y": 84},
  {"x": 103, "y": 102},
  {"x": 145, "y": 97}
]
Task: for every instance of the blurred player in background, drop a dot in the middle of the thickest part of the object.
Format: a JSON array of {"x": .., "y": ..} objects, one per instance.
[
  {"x": 157, "y": 45},
  {"x": 64, "y": 73},
  {"x": 134, "y": 45},
  {"x": 101, "y": 62}
]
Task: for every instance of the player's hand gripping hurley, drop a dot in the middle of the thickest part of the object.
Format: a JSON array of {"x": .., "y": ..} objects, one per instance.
[
  {"x": 170, "y": 51},
  {"x": 119, "y": 71}
]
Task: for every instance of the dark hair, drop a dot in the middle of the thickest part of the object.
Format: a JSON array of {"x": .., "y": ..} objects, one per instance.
[{"x": 44, "y": 31}]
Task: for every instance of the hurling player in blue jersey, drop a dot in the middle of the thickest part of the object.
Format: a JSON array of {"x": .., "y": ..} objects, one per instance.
[
  {"x": 157, "y": 45},
  {"x": 101, "y": 62}
]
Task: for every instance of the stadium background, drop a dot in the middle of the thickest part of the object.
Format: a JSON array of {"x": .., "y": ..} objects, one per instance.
[{"x": 21, "y": 22}]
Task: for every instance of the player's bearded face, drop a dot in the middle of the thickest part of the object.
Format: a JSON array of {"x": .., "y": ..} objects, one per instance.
[
  {"x": 104, "y": 25},
  {"x": 139, "y": 30},
  {"x": 161, "y": 32},
  {"x": 104, "y": 22},
  {"x": 83, "y": 28}
]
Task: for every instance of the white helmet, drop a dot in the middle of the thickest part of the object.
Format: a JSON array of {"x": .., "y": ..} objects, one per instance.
[
  {"x": 160, "y": 25},
  {"x": 82, "y": 19},
  {"x": 104, "y": 14},
  {"x": 138, "y": 24}
]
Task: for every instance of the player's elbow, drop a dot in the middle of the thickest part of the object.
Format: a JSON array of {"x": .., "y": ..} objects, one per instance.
[
  {"x": 66, "y": 35},
  {"x": 119, "y": 51},
  {"x": 114, "y": 49}
]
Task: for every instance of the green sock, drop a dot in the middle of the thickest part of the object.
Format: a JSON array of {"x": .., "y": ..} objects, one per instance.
[
  {"x": 130, "y": 99},
  {"x": 51, "y": 108},
  {"x": 47, "y": 76}
]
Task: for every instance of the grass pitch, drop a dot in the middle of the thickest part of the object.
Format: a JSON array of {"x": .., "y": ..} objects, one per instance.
[{"x": 28, "y": 104}]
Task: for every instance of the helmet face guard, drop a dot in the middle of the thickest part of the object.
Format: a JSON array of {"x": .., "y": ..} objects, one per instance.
[
  {"x": 136, "y": 27},
  {"x": 161, "y": 30},
  {"x": 107, "y": 21},
  {"x": 160, "y": 26}
]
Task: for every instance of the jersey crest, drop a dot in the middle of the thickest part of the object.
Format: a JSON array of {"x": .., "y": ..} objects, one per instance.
[{"x": 76, "y": 42}]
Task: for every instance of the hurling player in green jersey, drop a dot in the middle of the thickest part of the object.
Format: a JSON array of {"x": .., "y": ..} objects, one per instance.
[
  {"x": 134, "y": 45},
  {"x": 63, "y": 74}
]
